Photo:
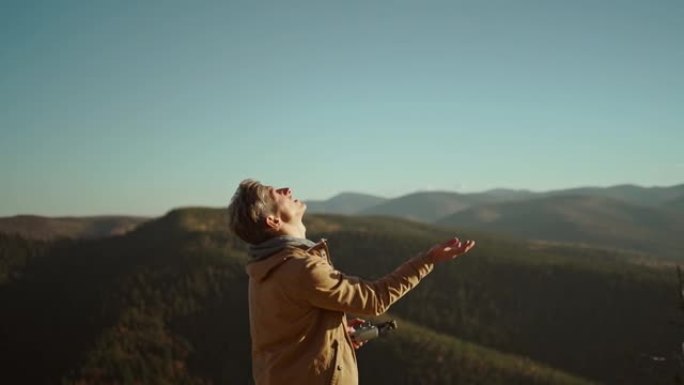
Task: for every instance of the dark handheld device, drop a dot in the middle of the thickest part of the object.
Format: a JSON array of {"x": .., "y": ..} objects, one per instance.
[{"x": 368, "y": 331}]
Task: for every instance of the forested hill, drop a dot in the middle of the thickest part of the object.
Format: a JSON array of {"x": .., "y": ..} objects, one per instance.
[{"x": 166, "y": 304}]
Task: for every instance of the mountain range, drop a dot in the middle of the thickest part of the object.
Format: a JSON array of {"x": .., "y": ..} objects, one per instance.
[
  {"x": 443, "y": 203},
  {"x": 626, "y": 217}
]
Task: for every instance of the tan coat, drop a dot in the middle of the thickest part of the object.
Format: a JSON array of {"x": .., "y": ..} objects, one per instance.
[{"x": 297, "y": 306}]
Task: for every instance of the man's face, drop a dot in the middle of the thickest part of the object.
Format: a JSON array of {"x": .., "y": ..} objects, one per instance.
[{"x": 288, "y": 208}]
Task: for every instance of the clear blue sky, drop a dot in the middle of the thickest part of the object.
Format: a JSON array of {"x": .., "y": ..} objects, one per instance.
[{"x": 137, "y": 107}]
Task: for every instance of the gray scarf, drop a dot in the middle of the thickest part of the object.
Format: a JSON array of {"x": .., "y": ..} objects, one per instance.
[{"x": 273, "y": 245}]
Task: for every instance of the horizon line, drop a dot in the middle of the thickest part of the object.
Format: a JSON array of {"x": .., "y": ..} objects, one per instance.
[{"x": 196, "y": 205}]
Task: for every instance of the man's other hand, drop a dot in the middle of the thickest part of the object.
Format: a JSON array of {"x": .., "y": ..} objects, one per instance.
[
  {"x": 351, "y": 327},
  {"x": 449, "y": 250}
]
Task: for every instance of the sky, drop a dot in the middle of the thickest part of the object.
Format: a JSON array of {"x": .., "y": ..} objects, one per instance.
[{"x": 139, "y": 107}]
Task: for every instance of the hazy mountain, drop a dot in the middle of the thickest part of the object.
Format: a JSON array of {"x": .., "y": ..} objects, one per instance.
[
  {"x": 429, "y": 206},
  {"x": 590, "y": 220},
  {"x": 643, "y": 196},
  {"x": 503, "y": 195},
  {"x": 344, "y": 203},
  {"x": 37, "y": 227},
  {"x": 423, "y": 206}
]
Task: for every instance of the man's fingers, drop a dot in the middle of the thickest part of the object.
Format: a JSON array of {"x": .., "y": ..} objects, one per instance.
[
  {"x": 450, "y": 249},
  {"x": 468, "y": 245},
  {"x": 355, "y": 322},
  {"x": 453, "y": 243},
  {"x": 461, "y": 247}
]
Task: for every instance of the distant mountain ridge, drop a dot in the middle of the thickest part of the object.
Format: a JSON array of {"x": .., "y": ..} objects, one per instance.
[
  {"x": 643, "y": 196},
  {"x": 593, "y": 220},
  {"x": 430, "y": 206},
  {"x": 628, "y": 217},
  {"x": 46, "y": 228},
  {"x": 422, "y": 206},
  {"x": 344, "y": 203}
]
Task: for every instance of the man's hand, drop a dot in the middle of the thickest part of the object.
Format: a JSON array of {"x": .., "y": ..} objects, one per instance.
[
  {"x": 449, "y": 250},
  {"x": 351, "y": 325}
]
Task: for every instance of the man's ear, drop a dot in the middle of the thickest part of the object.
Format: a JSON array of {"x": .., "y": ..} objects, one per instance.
[{"x": 273, "y": 222}]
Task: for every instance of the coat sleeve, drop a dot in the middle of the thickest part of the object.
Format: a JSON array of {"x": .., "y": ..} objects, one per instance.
[{"x": 318, "y": 283}]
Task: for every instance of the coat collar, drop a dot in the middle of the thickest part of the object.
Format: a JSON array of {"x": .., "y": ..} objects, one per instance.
[{"x": 260, "y": 269}]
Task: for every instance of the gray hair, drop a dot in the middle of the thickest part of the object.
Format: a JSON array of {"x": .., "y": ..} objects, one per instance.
[{"x": 248, "y": 209}]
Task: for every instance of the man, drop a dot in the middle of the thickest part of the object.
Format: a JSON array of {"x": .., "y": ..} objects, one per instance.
[{"x": 298, "y": 301}]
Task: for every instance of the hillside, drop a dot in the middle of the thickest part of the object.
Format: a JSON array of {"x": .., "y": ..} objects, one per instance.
[
  {"x": 587, "y": 220},
  {"x": 166, "y": 303},
  {"x": 45, "y": 228}
]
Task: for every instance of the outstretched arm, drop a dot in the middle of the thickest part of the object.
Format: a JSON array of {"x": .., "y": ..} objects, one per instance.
[{"x": 325, "y": 287}]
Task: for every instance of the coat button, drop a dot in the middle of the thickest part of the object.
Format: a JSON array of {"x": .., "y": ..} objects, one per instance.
[{"x": 339, "y": 367}]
